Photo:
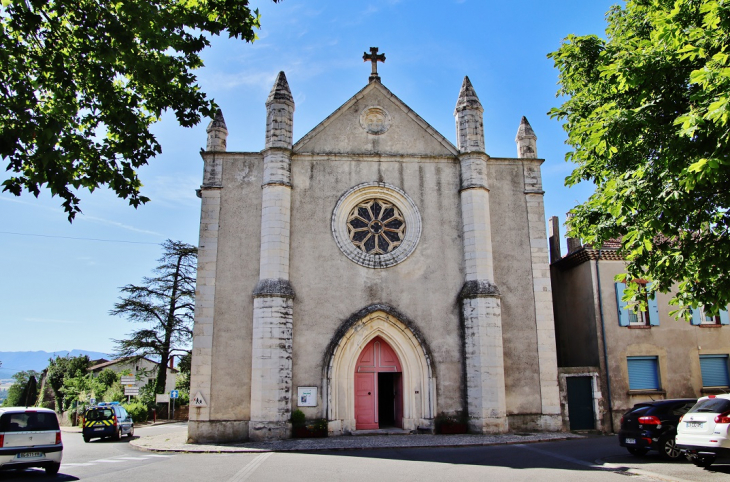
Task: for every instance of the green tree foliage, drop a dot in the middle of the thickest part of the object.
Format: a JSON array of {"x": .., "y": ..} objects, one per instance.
[
  {"x": 165, "y": 304},
  {"x": 183, "y": 378},
  {"x": 83, "y": 81},
  {"x": 647, "y": 119},
  {"x": 18, "y": 392},
  {"x": 61, "y": 368},
  {"x": 107, "y": 378},
  {"x": 138, "y": 411}
]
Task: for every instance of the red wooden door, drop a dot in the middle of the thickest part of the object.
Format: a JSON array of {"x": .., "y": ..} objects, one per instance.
[{"x": 376, "y": 357}]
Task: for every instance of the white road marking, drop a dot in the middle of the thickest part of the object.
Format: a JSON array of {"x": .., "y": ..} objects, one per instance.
[
  {"x": 132, "y": 458},
  {"x": 108, "y": 461},
  {"x": 243, "y": 474}
]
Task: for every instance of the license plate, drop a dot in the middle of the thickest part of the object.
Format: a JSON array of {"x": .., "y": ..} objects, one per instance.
[
  {"x": 29, "y": 455},
  {"x": 695, "y": 424},
  {"x": 630, "y": 441},
  {"x": 99, "y": 429}
]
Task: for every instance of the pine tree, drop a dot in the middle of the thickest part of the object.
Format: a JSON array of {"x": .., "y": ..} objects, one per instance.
[{"x": 166, "y": 302}]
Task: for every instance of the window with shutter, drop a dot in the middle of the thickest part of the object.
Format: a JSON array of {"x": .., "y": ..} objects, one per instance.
[
  {"x": 626, "y": 314},
  {"x": 643, "y": 373},
  {"x": 714, "y": 370},
  {"x": 701, "y": 316}
]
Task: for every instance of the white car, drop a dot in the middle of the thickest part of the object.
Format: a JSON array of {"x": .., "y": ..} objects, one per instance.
[
  {"x": 30, "y": 437},
  {"x": 702, "y": 433}
]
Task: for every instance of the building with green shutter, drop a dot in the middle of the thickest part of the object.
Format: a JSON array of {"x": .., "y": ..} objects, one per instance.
[{"x": 610, "y": 357}]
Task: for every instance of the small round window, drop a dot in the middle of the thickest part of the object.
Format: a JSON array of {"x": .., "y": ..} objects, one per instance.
[{"x": 376, "y": 225}]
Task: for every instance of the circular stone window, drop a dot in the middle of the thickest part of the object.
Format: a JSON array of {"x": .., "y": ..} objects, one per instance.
[{"x": 376, "y": 225}]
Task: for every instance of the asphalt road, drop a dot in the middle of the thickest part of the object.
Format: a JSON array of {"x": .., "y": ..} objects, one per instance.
[{"x": 594, "y": 458}]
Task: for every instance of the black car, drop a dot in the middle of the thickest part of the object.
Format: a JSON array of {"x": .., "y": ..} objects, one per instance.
[
  {"x": 653, "y": 426},
  {"x": 107, "y": 420}
]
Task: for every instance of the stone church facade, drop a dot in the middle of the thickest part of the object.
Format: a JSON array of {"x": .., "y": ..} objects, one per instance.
[{"x": 373, "y": 274}]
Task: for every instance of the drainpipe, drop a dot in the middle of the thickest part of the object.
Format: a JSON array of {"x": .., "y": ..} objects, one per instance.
[{"x": 603, "y": 335}]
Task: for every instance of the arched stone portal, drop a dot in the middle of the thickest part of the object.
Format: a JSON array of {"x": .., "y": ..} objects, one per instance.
[{"x": 418, "y": 380}]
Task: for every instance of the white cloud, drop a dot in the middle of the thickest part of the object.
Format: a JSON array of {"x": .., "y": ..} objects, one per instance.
[{"x": 117, "y": 224}]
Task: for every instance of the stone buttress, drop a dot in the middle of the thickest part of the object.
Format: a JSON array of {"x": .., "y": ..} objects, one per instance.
[
  {"x": 202, "y": 361},
  {"x": 480, "y": 299},
  {"x": 526, "y": 141},
  {"x": 271, "y": 368}
]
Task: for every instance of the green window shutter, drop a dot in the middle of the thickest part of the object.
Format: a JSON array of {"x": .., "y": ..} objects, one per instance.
[
  {"x": 714, "y": 370},
  {"x": 653, "y": 309},
  {"x": 724, "y": 318},
  {"x": 621, "y": 306},
  {"x": 696, "y": 316}
]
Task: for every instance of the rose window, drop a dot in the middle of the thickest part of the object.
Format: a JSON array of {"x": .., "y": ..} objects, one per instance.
[{"x": 376, "y": 226}]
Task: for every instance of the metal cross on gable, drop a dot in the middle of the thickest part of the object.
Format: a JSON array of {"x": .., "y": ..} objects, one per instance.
[{"x": 373, "y": 57}]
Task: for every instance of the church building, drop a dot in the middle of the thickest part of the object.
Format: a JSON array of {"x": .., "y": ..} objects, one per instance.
[{"x": 371, "y": 273}]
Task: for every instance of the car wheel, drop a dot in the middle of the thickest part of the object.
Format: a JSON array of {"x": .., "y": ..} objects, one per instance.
[
  {"x": 638, "y": 451},
  {"x": 87, "y": 439},
  {"x": 131, "y": 432},
  {"x": 703, "y": 461},
  {"x": 117, "y": 435},
  {"x": 668, "y": 448},
  {"x": 52, "y": 469}
]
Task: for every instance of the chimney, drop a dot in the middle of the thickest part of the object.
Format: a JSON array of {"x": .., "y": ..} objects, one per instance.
[
  {"x": 554, "y": 239},
  {"x": 172, "y": 361},
  {"x": 573, "y": 243}
]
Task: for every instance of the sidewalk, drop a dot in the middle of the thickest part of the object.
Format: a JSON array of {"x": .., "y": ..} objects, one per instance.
[{"x": 176, "y": 442}]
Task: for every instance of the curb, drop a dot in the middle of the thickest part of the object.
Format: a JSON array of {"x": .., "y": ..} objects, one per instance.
[{"x": 207, "y": 449}]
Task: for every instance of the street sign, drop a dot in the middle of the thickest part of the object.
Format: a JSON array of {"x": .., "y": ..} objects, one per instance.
[
  {"x": 92, "y": 401},
  {"x": 129, "y": 380},
  {"x": 133, "y": 391},
  {"x": 198, "y": 400},
  {"x": 162, "y": 398},
  {"x": 174, "y": 394}
]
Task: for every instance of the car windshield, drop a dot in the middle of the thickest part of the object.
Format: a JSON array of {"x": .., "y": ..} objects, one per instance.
[
  {"x": 100, "y": 414},
  {"x": 28, "y": 422},
  {"x": 711, "y": 405}
]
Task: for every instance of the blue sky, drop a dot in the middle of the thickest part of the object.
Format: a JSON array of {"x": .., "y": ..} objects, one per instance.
[{"x": 56, "y": 290}]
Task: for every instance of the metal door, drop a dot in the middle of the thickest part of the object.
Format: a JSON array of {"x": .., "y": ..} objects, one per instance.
[{"x": 580, "y": 403}]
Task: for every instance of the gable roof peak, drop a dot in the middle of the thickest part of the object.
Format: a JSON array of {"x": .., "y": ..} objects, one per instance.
[{"x": 280, "y": 93}]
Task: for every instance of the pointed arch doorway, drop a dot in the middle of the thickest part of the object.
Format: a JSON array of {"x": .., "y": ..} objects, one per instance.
[
  {"x": 378, "y": 387},
  {"x": 417, "y": 378}
]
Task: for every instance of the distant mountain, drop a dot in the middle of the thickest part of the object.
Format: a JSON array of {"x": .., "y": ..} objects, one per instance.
[{"x": 17, "y": 361}]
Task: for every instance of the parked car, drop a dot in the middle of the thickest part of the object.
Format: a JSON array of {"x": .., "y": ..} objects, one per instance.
[
  {"x": 703, "y": 432},
  {"x": 107, "y": 420},
  {"x": 30, "y": 437},
  {"x": 653, "y": 426}
]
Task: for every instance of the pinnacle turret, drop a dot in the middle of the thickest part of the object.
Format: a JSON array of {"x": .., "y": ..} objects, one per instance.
[
  {"x": 217, "y": 133},
  {"x": 468, "y": 97},
  {"x": 526, "y": 140},
  {"x": 469, "y": 120},
  {"x": 280, "y": 93},
  {"x": 279, "y": 114}
]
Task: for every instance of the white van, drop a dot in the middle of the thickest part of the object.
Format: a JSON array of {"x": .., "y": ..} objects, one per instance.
[{"x": 30, "y": 437}]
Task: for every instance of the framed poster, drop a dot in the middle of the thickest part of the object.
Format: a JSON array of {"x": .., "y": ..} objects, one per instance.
[{"x": 307, "y": 396}]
